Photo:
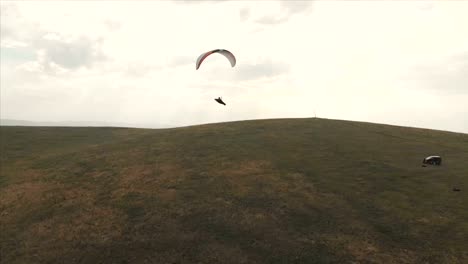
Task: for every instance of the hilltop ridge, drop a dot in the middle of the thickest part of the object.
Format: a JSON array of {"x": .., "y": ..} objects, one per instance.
[{"x": 259, "y": 191}]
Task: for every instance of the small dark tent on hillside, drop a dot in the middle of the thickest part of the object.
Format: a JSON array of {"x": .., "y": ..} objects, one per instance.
[{"x": 433, "y": 160}]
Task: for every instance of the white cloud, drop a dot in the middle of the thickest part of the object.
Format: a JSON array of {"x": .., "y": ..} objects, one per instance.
[
  {"x": 287, "y": 10},
  {"x": 294, "y": 7},
  {"x": 244, "y": 13},
  {"x": 449, "y": 75}
]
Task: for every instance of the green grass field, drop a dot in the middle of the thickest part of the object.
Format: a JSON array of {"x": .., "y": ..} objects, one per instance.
[{"x": 262, "y": 191}]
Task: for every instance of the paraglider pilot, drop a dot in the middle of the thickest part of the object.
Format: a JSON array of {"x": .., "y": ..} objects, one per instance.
[{"x": 219, "y": 100}]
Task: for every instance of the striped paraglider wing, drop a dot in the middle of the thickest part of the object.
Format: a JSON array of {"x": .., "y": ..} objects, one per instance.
[{"x": 224, "y": 52}]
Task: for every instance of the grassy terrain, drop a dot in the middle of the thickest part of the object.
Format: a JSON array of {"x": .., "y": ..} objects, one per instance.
[{"x": 263, "y": 191}]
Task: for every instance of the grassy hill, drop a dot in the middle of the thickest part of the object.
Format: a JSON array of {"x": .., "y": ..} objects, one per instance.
[{"x": 263, "y": 191}]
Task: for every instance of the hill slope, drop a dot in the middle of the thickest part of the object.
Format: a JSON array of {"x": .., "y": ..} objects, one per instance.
[{"x": 264, "y": 191}]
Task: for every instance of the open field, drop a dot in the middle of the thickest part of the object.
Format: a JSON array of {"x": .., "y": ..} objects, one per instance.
[{"x": 261, "y": 191}]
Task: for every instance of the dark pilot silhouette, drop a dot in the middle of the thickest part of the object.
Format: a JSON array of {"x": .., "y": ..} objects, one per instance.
[{"x": 219, "y": 100}]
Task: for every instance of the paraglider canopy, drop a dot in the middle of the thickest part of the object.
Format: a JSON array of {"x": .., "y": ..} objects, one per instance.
[
  {"x": 432, "y": 160},
  {"x": 224, "y": 52}
]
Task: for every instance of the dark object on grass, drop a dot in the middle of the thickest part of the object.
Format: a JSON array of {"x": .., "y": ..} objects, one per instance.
[
  {"x": 219, "y": 100},
  {"x": 433, "y": 160},
  {"x": 456, "y": 189}
]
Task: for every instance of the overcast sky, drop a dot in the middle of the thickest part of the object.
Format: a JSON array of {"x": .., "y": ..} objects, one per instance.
[{"x": 394, "y": 62}]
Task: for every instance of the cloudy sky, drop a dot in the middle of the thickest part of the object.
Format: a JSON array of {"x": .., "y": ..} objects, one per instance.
[{"x": 394, "y": 62}]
